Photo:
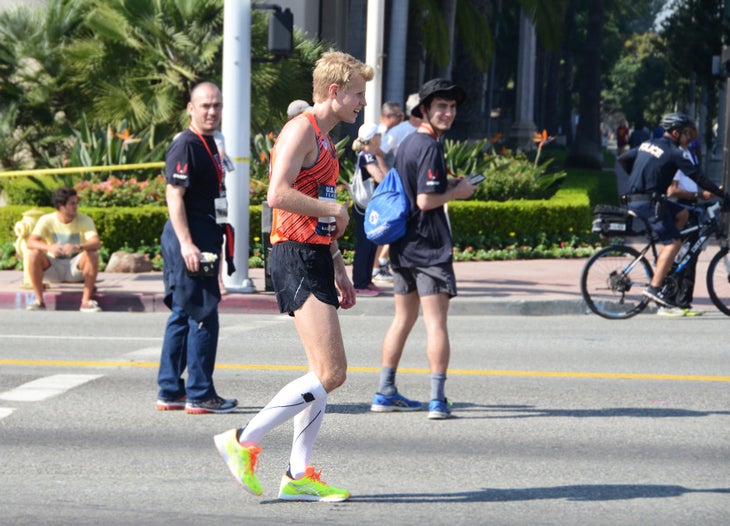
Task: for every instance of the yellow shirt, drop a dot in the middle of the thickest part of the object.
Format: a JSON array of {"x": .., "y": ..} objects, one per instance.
[{"x": 51, "y": 230}]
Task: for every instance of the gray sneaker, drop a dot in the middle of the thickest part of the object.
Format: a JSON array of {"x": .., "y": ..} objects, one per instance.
[
  {"x": 36, "y": 305},
  {"x": 216, "y": 405}
]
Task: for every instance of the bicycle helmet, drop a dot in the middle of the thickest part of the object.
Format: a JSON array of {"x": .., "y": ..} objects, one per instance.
[{"x": 676, "y": 121}]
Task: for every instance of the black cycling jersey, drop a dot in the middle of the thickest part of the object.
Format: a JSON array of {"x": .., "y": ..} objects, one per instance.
[{"x": 654, "y": 163}]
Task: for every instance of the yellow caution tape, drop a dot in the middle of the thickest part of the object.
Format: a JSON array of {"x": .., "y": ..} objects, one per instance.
[{"x": 82, "y": 169}]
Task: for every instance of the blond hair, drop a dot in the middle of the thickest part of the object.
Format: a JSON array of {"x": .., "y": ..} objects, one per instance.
[
  {"x": 358, "y": 145},
  {"x": 335, "y": 67}
]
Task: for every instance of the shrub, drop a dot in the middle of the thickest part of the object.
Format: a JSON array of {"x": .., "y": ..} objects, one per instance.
[
  {"x": 509, "y": 176},
  {"x": 8, "y": 258},
  {"x": 122, "y": 192},
  {"x": 103, "y": 146},
  {"x": 23, "y": 191}
]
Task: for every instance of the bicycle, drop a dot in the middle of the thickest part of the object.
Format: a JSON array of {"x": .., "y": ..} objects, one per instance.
[{"x": 614, "y": 278}]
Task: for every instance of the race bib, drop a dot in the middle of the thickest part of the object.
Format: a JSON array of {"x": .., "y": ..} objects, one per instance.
[{"x": 326, "y": 225}]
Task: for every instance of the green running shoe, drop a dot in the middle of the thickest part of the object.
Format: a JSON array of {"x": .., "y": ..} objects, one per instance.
[
  {"x": 241, "y": 461},
  {"x": 311, "y": 488},
  {"x": 689, "y": 311}
]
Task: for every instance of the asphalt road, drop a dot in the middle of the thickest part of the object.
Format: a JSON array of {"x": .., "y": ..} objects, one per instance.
[{"x": 562, "y": 420}]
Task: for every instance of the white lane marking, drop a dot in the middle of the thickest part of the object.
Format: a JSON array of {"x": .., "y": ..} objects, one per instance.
[
  {"x": 47, "y": 387},
  {"x": 228, "y": 333},
  {"x": 145, "y": 353},
  {"x": 5, "y": 411},
  {"x": 92, "y": 338},
  {"x": 231, "y": 331}
]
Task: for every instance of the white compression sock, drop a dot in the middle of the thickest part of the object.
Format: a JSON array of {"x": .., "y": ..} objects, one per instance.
[
  {"x": 306, "y": 428},
  {"x": 294, "y": 398}
]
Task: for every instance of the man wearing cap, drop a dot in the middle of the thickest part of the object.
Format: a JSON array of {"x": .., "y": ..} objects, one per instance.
[{"x": 422, "y": 260}]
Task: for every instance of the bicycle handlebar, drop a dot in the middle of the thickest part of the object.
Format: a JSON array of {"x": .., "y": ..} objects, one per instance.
[{"x": 711, "y": 208}]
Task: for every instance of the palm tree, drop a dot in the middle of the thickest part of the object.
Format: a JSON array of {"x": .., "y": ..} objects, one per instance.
[
  {"x": 34, "y": 94},
  {"x": 73, "y": 63},
  {"x": 139, "y": 58},
  {"x": 142, "y": 57}
]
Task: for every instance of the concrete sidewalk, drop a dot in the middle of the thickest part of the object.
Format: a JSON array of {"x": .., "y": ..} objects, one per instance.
[{"x": 522, "y": 287}]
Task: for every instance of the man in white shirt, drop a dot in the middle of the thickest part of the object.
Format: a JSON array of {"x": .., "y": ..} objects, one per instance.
[{"x": 395, "y": 135}]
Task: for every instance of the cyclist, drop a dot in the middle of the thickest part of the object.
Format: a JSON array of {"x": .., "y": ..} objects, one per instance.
[
  {"x": 652, "y": 166},
  {"x": 684, "y": 190}
]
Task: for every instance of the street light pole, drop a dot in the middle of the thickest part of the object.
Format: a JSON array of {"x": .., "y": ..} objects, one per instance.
[
  {"x": 725, "y": 70},
  {"x": 374, "y": 58},
  {"x": 236, "y": 130}
]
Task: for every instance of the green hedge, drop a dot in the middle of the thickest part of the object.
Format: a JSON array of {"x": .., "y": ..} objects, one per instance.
[
  {"x": 568, "y": 212},
  {"x": 117, "y": 226},
  {"x": 565, "y": 214}
]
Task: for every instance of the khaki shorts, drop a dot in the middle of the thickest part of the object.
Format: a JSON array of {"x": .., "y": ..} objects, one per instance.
[{"x": 65, "y": 270}]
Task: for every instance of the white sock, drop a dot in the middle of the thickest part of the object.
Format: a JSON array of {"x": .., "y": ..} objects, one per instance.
[
  {"x": 382, "y": 261},
  {"x": 294, "y": 398},
  {"x": 306, "y": 428}
]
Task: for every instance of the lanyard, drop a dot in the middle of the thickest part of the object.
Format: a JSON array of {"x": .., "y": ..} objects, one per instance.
[
  {"x": 218, "y": 165},
  {"x": 430, "y": 131}
]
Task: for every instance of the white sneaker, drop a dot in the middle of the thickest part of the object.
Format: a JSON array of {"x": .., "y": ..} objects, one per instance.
[
  {"x": 671, "y": 312},
  {"x": 91, "y": 306}
]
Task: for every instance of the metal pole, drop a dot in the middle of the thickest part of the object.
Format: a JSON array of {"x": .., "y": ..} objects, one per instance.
[
  {"x": 725, "y": 68},
  {"x": 374, "y": 57},
  {"x": 236, "y": 130}
]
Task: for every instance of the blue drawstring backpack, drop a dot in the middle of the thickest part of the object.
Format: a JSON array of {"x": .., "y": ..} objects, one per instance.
[{"x": 387, "y": 213}]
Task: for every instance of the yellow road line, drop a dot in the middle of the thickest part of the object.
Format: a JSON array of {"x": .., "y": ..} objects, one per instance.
[{"x": 452, "y": 372}]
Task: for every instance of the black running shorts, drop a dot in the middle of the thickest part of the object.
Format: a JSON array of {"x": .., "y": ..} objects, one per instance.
[{"x": 301, "y": 269}]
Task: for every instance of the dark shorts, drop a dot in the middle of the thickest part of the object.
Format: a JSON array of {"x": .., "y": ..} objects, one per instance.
[
  {"x": 299, "y": 270},
  {"x": 664, "y": 227},
  {"x": 439, "y": 279}
]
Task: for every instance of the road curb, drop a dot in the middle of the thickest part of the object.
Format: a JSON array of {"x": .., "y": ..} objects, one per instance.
[{"x": 265, "y": 303}]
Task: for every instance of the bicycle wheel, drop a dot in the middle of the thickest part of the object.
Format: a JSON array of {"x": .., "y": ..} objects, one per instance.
[
  {"x": 718, "y": 281},
  {"x": 613, "y": 281}
]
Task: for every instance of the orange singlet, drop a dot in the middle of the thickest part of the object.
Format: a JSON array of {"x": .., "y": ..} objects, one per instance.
[{"x": 318, "y": 182}]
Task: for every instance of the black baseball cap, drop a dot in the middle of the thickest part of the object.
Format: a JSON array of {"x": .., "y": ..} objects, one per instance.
[{"x": 435, "y": 87}]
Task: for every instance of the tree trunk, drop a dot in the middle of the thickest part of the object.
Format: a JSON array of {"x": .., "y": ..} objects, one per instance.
[
  {"x": 587, "y": 151},
  {"x": 567, "y": 79}
]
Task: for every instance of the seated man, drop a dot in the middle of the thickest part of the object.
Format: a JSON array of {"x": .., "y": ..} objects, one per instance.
[{"x": 64, "y": 246}]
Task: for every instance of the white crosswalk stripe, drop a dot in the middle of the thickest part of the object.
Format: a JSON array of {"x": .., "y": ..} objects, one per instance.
[
  {"x": 47, "y": 387},
  {"x": 5, "y": 411}
]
